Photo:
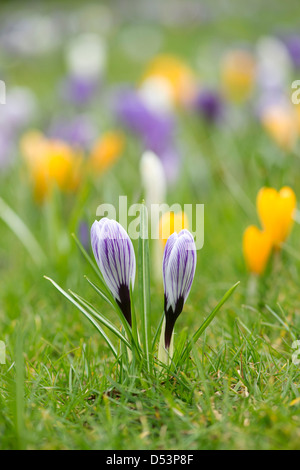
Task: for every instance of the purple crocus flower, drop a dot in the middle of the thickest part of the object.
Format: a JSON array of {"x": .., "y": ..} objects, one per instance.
[
  {"x": 84, "y": 234},
  {"x": 179, "y": 264},
  {"x": 79, "y": 90},
  {"x": 292, "y": 43},
  {"x": 77, "y": 131},
  {"x": 209, "y": 104},
  {"x": 156, "y": 130},
  {"x": 114, "y": 253}
]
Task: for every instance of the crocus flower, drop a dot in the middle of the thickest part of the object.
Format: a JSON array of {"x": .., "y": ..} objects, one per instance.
[
  {"x": 153, "y": 178},
  {"x": 84, "y": 234},
  {"x": 276, "y": 210},
  {"x": 257, "y": 247},
  {"x": 86, "y": 55},
  {"x": 177, "y": 76},
  {"x": 171, "y": 222},
  {"x": 274, "y": 65},
  {"x": 79, "y": 90},
  {"x": 292, "y": 43},
  {"x": 155, "y": 130},
  {"x": 114, "y": 253},
  {"x": 50, "y": 162},
  {"x": 78, "y": 131},
  {"x": 179, "y": 264},
  {"x": 280, "y": 122},
  {"x": 238, "y": 75},
  {"x": 106, "y": 151},
  {"x": 209, "y": 105}
]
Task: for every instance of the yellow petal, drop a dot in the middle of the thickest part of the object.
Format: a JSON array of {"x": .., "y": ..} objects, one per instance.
[
  {"x": 171, "y": 222},
  {"x": 276, "y": 210},
  {"x": 177, "y": 75},
  {"x": 106, "y": 151},
  {"x": 238, "y": 75},
  {"x": 282, "y": 126},
  {"x": 257, "y": 246}
]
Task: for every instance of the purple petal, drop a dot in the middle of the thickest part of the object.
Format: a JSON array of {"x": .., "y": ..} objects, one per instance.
[
  {"x": 114, "y": 253},
  {"x": 179, "y": 269}
]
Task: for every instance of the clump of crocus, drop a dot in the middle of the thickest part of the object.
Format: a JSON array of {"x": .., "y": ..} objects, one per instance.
[
  {"x": 238, "y": 71},
  {"x": 276, "y": 213},
  {"x": 106, "y": 151},
  {"x": 179, "y": 264},
  {"x": 114, "y": 253},
  {"x": 50, "y": 163},
  {"x": 171, "y": 222}
]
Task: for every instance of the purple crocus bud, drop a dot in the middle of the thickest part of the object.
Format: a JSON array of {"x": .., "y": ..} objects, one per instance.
[
  {"x": 114, "y": 253},
  {"x": 179, "y": 264}
]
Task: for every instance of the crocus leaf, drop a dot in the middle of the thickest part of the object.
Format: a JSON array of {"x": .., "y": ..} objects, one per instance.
[
  {"x": 86, "y": 314},
  {"x": 89, "y": 307}
]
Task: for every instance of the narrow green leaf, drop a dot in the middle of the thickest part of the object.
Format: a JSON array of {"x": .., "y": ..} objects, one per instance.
[
  {"x": 105, "y": 296},
  {"x": 100, "y": 317},
  {"x": 90, "y": 261},
  {"x": 86, "y": 314},
  {"x": 156, "y": 335}
]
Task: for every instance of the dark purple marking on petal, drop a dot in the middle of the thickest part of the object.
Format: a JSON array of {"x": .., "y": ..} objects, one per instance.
[
  {"x": 124, "y": 302},
  {"x": 171, "y": 318}
]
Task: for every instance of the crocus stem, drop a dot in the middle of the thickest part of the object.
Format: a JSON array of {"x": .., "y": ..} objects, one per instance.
[
  {"x": 169, "y": 327},
  {"x": 165, "y": 354}
]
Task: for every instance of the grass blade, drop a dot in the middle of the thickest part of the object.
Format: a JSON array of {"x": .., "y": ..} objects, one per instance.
[
  {"x": 86, "y": 314},
  {"x": 100, "y": 317},
  {"x": 103, "y": 295}
]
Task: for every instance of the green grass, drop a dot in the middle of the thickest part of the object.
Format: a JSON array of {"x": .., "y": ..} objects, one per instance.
[{"x": 61, "y": 388}]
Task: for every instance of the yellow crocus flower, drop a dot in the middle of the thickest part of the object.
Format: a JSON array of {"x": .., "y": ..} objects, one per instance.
[
  {"x": 275, "y": 210},
  {"x": 171, "y": 222},
  {"x": 106, "y": 151},
  {"x": 238, "y": 71},
  {"x": 50, "y": 162},
  {"x": 257, "y": 247},
  {"x": 280, "y": 122},
  {"x": 176, "y": 74}
]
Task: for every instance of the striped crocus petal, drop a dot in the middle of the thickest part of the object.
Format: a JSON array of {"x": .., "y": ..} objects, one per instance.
[
  {"x": 114, "y": 253},
  {"x": 179, "y": 264}
]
